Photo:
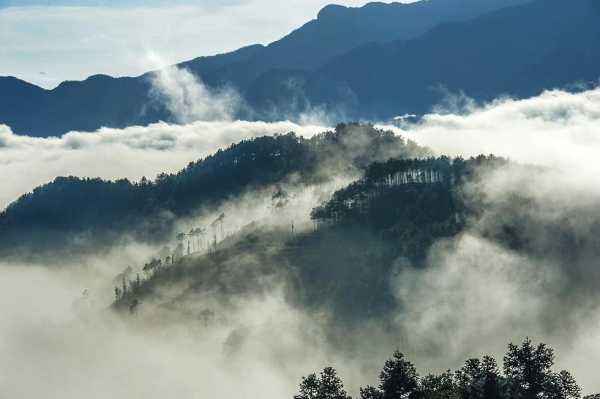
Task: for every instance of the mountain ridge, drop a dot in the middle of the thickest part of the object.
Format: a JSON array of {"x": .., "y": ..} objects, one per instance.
[
  {"x": 517, "y": 50},
  {"x": 490, "y": 65}
]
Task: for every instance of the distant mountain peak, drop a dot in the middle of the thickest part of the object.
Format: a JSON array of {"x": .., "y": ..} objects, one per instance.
[
  {"x": 14, "y": 83},
  {"x": 339, "y": 66},
  {"x": 330, "y": 10},
  {"x": 335, "y": 10}
]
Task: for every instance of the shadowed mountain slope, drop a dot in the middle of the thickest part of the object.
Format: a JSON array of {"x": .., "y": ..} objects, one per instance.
[
  {"x": 517, "y": 51},
  {"x": 117, "y": 102}
]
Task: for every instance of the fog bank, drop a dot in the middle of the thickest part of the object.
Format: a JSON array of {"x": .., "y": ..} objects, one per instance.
[{"x": 27, "y": 162}]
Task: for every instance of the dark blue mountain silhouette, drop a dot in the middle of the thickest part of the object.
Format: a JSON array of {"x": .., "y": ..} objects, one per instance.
[
  {"x": 516, "y": 51},
  {"x": 376, "y": 61}
]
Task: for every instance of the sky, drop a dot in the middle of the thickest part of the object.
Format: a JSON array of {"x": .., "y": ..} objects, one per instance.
[{"x": 46, "y": 42}]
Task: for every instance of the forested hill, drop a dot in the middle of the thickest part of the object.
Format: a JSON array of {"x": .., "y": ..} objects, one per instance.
[
  {"x": 92, "y": 211},
  {"x": 367, "y": 233},
  {"x": 365, "y": 201},
  {"x": 396, "y": 211},
  {"x": 412, "y": 202}
]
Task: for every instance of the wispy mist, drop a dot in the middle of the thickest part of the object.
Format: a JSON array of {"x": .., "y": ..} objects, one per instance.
[
  {"x": 133, "y": 152},
  {"x": 56, "y": 343},
  {"x": 188, "y": 99},
  {"x": 555, "y": 129},
  {"x": 473, "y": 296}
]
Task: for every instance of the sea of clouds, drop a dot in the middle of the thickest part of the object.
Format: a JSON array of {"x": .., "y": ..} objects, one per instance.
[{"x": 57, "y": 338}]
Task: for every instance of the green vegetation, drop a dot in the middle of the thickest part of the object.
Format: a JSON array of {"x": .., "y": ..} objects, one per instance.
[
  {"x": 365, "y": 233},
  {"x": 527, "y": 374},
  {"x": 76, "y": 215},
  {"x": 411, "y": 202}
]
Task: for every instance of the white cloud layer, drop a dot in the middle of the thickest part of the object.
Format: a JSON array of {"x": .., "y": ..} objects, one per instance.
[
  {"x": 131, "y": 153},
  {"x": 57, "y": 343},
  {"x": 557, "y": 129},
  {"x": 474, "y": 297}
]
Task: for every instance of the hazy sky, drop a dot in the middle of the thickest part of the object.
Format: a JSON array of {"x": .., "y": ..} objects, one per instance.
[{"x": 45, "y": 41}]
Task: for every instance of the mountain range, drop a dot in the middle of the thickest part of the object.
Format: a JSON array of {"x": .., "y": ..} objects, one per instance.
[{"x": 373, "y": 62}]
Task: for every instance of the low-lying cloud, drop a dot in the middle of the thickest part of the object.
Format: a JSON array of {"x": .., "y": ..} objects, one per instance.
[
  {"x": 475, "y": 294},
  {"x": 557, "y": 129},
  {"x": 56, "y": 342},
  {"x": 133, "y": 152},
  {"x": 474, "y": 297}
]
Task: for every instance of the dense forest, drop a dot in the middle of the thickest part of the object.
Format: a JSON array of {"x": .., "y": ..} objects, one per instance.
[
  {"x": 527, "y": 373},
  {"x": 386, "y": 220},
  {"x": 410, "y": 201},
  {"x": 97, "y": 212}
]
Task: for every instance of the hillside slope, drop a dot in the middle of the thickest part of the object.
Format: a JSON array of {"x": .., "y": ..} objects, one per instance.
[{"x": 90, "y": 213}]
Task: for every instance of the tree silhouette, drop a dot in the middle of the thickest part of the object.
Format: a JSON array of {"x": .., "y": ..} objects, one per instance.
[
  {"x": 178, "y": 254},
  {"x": 309, "y": 387},
  {"x": 326, "y": 386},
  {"x": 200, "y": 237},
  {"x": 527, "y": 367},
  {"x": 217, "y": 226},
  {"x": 528, "y": 374},
  {"x": 399, "y": 378},
  {"x": 478, "y": 379},
  {"x": 124, "y": 290}
]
